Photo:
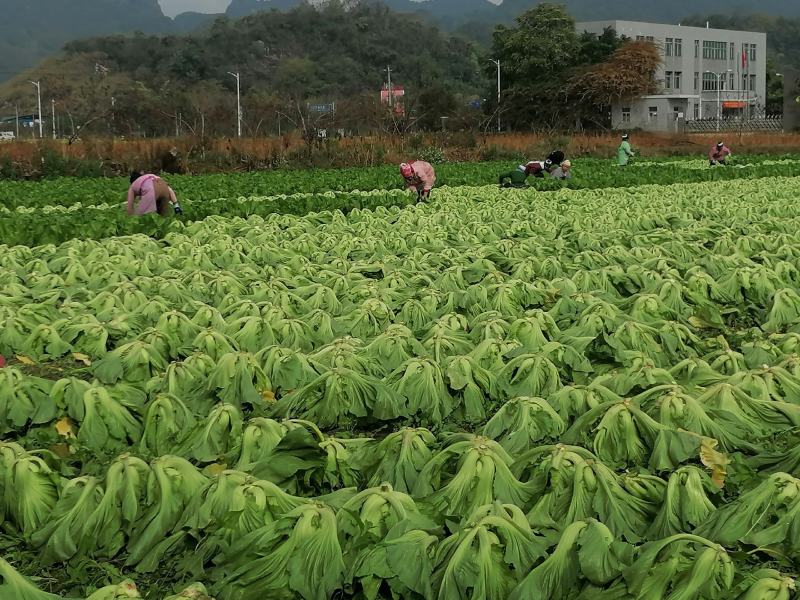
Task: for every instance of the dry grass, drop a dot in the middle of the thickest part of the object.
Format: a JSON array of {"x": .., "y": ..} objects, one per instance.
[{"x": 107, "y": 156}]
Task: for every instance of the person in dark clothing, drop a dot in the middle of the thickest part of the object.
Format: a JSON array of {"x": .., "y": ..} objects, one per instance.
[
  {"x": 553, "y": 161},
  {"x": 517, "y": 178}
]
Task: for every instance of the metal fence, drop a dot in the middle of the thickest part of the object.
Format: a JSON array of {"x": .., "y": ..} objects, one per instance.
[{"x": 765, "y": 123}]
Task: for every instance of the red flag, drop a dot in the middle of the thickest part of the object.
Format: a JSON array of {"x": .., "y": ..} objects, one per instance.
[{"x": 744, "y": 58}]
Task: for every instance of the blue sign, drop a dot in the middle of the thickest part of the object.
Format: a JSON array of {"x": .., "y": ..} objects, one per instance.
[{"x": 322, "y": 108}]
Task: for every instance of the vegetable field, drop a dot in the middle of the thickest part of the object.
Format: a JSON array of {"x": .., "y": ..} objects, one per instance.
[{"x": 589, "y": 393}]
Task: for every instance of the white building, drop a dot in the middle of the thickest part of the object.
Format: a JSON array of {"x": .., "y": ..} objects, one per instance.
[{"x": 704, "y": 73}]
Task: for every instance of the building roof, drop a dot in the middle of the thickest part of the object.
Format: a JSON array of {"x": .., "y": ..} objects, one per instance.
[{"x": 621, "y": 24}]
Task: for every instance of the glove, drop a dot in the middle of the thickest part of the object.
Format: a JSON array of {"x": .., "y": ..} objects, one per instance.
[{"x": 178, "y": 209}]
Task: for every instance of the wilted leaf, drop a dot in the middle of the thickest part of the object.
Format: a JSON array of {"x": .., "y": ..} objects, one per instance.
[
  {"x": 64, "y": 428},
  {"x": 61, "y": 450},
  {"x": 715, "y": 461},
  {"x": 214, "y": 469},
  {"x": 25, "y": 360},
  {"x": 82, "y": 358}
]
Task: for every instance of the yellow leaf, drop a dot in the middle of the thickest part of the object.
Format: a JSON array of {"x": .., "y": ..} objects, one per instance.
[
  {"x": 268, "y": 395},
  {"x": 215, "y": 469},
  {"x": 696, "y": 323},
  {"x": 714, "y": 460},
  {"x": 25, "y": 360},
  {"x": 64, "y": 428},
  {"x": 82, "y": 358}
]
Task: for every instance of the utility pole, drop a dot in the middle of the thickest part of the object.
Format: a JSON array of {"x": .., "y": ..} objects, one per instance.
[
  {"x": 16, "y": 113},
  {"x": 497, "y": 62},
  {"x": 238, "y": 104},
  {"x": 389, "y": 85},
  {"x": 38, "y": 85},
  {"x": 53, "y": 104}
]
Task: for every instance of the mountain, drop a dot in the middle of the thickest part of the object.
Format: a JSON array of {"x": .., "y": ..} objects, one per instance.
[
  {"x": 191, "y": 21},
  {"x": 452, "y": 14},
  {"x": 243, "y": 8},
  {"x": 33, "y": 29},
  {"x": 666, "y": 12}
]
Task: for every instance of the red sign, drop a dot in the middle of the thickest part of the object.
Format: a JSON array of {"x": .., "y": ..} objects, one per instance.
[
  {"x": 397, "y": 93},
  {"x": 734, "y": 104}
]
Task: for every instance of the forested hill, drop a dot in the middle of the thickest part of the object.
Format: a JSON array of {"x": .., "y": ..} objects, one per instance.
[
  {"x": 455, "y": 13},
  {"x": 32, "y": 29},
  {"x": 324, "y": 51}
]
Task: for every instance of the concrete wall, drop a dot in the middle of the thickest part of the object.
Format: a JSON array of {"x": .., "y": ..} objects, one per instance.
[{"x": 664, "y": 118}]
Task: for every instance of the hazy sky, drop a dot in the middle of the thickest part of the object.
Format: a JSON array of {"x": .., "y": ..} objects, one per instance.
[{"x": 173, "y": 7}]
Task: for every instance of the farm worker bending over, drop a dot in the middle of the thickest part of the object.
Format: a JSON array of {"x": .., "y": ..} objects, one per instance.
[
  {"x": 554, "y": 159},
  {"x": 718, "y": 154},
  {"x": 518, "y": 176},
  {"x": 563, "y": 171},
  {"x": 625, "y": 152},
  {"x": 419, "y": 176},
  {"x": 153, "y": 193}
]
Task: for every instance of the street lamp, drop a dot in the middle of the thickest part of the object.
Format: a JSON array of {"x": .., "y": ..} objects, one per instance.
[
  {"x": 719, "y": 77},
  {"x": 497, "y": 62},
  {"x": 39, "y": 102},
  {"x": 238, "y": 104},
  {"x": 53, "y": 104}
]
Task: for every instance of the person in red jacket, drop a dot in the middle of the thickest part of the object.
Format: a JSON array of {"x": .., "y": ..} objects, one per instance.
[
  {"x": 419, "y": 176},
  {"x": 718, "y": 154}
]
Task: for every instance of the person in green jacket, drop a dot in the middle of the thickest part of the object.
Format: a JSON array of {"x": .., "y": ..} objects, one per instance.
[
  {"x": 625, "y": 152},
  {"x": 518, "y": 176}
]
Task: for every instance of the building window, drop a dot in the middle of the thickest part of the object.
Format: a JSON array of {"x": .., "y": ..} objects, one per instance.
[
  {"x": 668, "y": 80},
  {"x": 715, "y": 50},
  {"x": 744, "y": 82},
  {"x": 752, "y": 83},
  {"x": 626, "y": 114},
  {"x": 696, "y": 81},
  {"x": 732, "y": 51},
  {"x": 676, "y": 79},
  {"x": 639, "y": 38},
  {"x": 752, "y": 52},
  {"x": 678, "y": 47},
  {"x": 653, "y": 113},
  {"x": 668, "y": 47},
  {"x": 731, "y": 81},
  {"x": 697, "y": 48},
  {"x": 710, "y": 82}
]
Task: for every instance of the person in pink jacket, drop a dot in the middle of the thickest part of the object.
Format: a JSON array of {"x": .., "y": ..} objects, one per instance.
[
  {"x": 419, "y": 176},
  {"x": 153, "y": 193},
  {"x": 718, "y": 154}
]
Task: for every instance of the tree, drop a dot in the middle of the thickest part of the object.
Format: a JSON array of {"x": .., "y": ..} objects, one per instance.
[
  {"x": 628, "y": 74},
  {"x": 538, "y": 58},
  {"x": 435, "y": 102},
  {"x": 543, "y": 41}
]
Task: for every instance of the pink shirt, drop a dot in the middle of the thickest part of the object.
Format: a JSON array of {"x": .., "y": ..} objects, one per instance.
[
  {"x": 145, "y": 189},
  {"x": 720, "y": 154},
  {"x": 424, "y": 176}
]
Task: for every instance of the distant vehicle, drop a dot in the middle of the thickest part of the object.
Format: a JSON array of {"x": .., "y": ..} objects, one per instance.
[{"x": 7, "y": 136}]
